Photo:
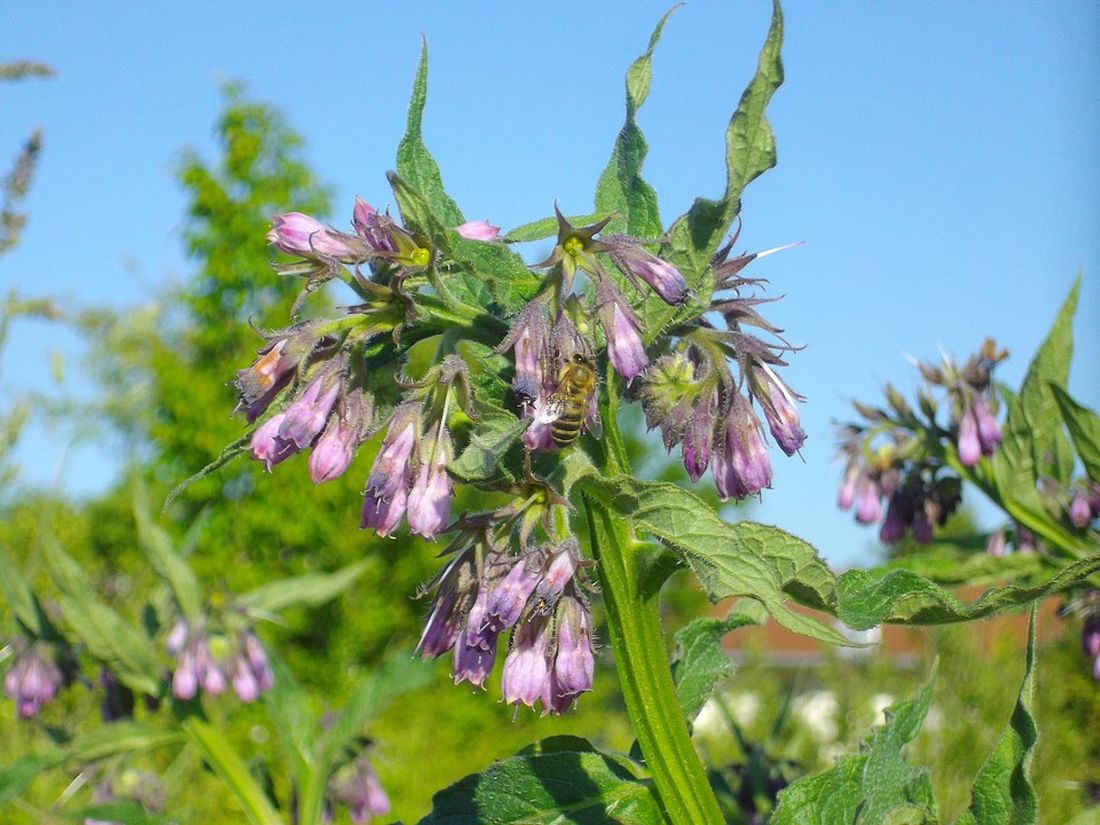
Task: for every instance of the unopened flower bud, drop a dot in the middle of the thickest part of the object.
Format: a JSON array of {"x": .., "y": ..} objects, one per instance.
[
  {"x": 478, "y": 231},
  {"x": 387, "y": 486},
  {"x": 298, "y": 234},
  {"x": 868, "y": 503},
  {"x": 778, "y": 403},
  {"x": 508, "y": 597},
  {"x": 742, "y": 468},
  {"x": 305, "y": 417},
  {"x": 1080, "y": 514},
  {"x": 969, "y": 446},
  {"x": 333, "y": 451},
  {"x": 637, "y": 263},
  {"x": 989, "y": 431},
  {"x": 846, "y": 495},
  {"x": 698, "y": 436},
  {"x": 33, "y": 680}
]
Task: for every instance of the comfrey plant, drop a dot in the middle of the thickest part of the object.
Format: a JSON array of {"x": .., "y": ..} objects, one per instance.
[
  {"x": 1038, "y": 466},
  {"x": 458, "y": 367}
]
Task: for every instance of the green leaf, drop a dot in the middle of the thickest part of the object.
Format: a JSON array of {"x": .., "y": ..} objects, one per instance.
[
  {"x": 370, "y": 697},
  {"x": 415, "y": 163},
  {"x": 546, "y": 227},
  {"x": 1084, "y": 428},
  {"x": 100, "y": 743},
  {"x": 750, "y": 151},
  {"x": 701, "y": 663},
  {"x": 417, "y": 213},
  {"x": 491, "y": 439},
  {"x": 231, "y": 769},
  {"x": 1002, "y": 792},
  {"x": 19, "y": 598},
  {"x": 582, "y": 787},
  {"x": 170, "y": 567},
  {"x": 741, "y": 559},
  {"x": 948, "y": 565},
  {"x": 121, "y": 647},
  {"x": 302, "y": 591},
  {"x": 621, "y": 188},
  {"x": 872, "y": 787},
  {"x": 288, "y": 707},
  {"x": 503, "y": 273},
  {"x": 866, "y": 598},
  {"x": 126, "y": 813},
  {"x": 1034, "y": 442},
  {"x": 14, "y": 778},
  {"x": 119, "y": 737}
]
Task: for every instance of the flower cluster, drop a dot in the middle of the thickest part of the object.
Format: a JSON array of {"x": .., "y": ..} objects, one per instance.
[
  {"x": 328, "y": 385},
  {"x": 486, "y": 590},
  {"x": 212, "y": 662},
  {"x": 895, "y": 472},
  {"x": 707, "y": 404},
  {"x": 34, "y": 678}
]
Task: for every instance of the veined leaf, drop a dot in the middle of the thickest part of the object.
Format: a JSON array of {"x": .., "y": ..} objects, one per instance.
[
  {"x": 492, "y": 437},
  {"x": 1084, "y": 428},
  {"x": 742, "y": 559},
  {"x": 162, "y": 557},
  {"x": 621, "y": 189},
  {"x": 550, "y": 787},
  {"x": 415, "y": 163},
  {"x": 872, "y": 787},
  {"x": 302, "y": 591},
  {"x": 121, "y": 647},
  {"x": 1002, "y": 792},
  {"x": 947, "y": 565},
  {"x": 900, "y": 597},
  {"x": 506, "y": 277},
  {"x": 700, "y": 663}
]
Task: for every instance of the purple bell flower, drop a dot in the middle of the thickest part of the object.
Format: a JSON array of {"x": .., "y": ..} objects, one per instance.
[
  {"x": 305, "y": 417},
  {"x": 298, "y": 234},
  {"x": 969, "y": 445},
  {"x": 527, "y": 666},
  {"x": 624, "y": 342},
  {"x": 778, "y": 403},
  {"x": 33, "y": 680},
  {"x": 637, "y": 263},
  {"x": 429, "y": 503},
  {"x": 267, "y": 446},
  {"x": 387, "y": 485}
]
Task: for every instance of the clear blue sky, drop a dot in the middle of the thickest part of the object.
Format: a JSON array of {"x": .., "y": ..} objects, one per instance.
[{"x": 941, "y": 161}]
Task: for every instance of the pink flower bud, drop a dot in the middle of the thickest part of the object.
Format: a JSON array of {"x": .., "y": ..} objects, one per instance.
[
  {"x": 969, "y": 446},
  {"x": 636, "y": 262},
  {"x": 305, "y": 417},
  {"x": 266, "y": 444},
  {"x": 298, "y": 234},
  {"x": 478, "y": 231},
  {"x": 429, "y": 507},
  {"x": 624, "y": 343},
  {"x": 1080, "y": 514},
  {"x": 333, "y": 451}
]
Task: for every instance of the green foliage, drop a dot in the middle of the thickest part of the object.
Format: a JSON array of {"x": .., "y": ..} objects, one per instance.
[
  {"x": 1084, "y": 428},
  {"x": 873, "y": 787},
  {"x": 562, "y": 780}
]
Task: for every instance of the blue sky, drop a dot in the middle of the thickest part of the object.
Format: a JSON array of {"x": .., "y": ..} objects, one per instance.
[{"x": 940, "y": 160}]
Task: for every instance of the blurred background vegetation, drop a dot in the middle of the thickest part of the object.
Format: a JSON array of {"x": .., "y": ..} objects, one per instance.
[{"x": 162, "y": 373}]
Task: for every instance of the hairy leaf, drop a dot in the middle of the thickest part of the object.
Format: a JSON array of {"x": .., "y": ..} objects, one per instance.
[
  {"x": 948, "y": 565},
  {"x": 700, "y": 662},
  {"x": 491, "y": 439},
  {"x": 872, "y": 787},
  {"x": 900, "y": 597},
  {"x": 121, "y": 647},
  {"x": 1002, "y": 792},
  {"x": 550, "y": 786},
  {"x": 621, "y": 189},
  {"x": 741, "y": 559},
  {"x": 162, "y": 557},
  {"x": 415, "y": 163},
  {"x": 1034, "y": 442},
  {"x": 302, "y": 591},
  {"x": 504, "y": 274},
  {"x": 1084, "y": 428}
]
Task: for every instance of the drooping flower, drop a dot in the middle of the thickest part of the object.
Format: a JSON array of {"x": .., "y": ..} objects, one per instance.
[
  {"x": 258, "y": 385},
  {"x": 305, "y": 416},
  {"x": 527, "y": 666},
  {"x": 508, "y": 598},
  {"x": 868, "y": 501},
  {"x": 996, "y": 545},
  {"x": 969, "y": 445},
  {"x": 358, "y": 787},
  {"x": 1080, "y": 514},
  {"x": 478, "y": 231},
  {"x": 624, "y": 342},
  {"x": 429, "y": 504},
  {"x": 334, "y": 450},
  {"x": 778, "y": 403},
  {"x": 989, "y": 430},
  {"x": 699, "y": 435},
  {"x": 267, "y": 446},
  {"x": 33, "y": 680},
  {"x": 638, "y": 263},
  {"x": 527, "y": 337},
  {"x": 386, "y": 494},
  {"x": 741, "y": 467},
  {"x": 574, "y": 662}
]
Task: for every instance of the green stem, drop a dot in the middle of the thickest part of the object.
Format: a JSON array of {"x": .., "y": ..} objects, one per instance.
[{"x": 634, "y": 624}]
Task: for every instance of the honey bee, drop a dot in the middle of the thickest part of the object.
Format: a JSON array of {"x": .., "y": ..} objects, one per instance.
[{"x": 569, "y": 403}]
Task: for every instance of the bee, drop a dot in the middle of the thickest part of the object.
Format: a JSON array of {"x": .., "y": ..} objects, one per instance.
[{"x": 569, "y": 403}]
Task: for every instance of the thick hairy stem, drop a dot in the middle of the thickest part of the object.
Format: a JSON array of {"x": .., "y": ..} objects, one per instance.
[{"x": 634, "y": 624}]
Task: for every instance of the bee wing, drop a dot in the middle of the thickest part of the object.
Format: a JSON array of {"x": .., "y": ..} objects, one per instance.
[
  {"x": 546, "y": 412},
  {"x": 594, "y": 425}
]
